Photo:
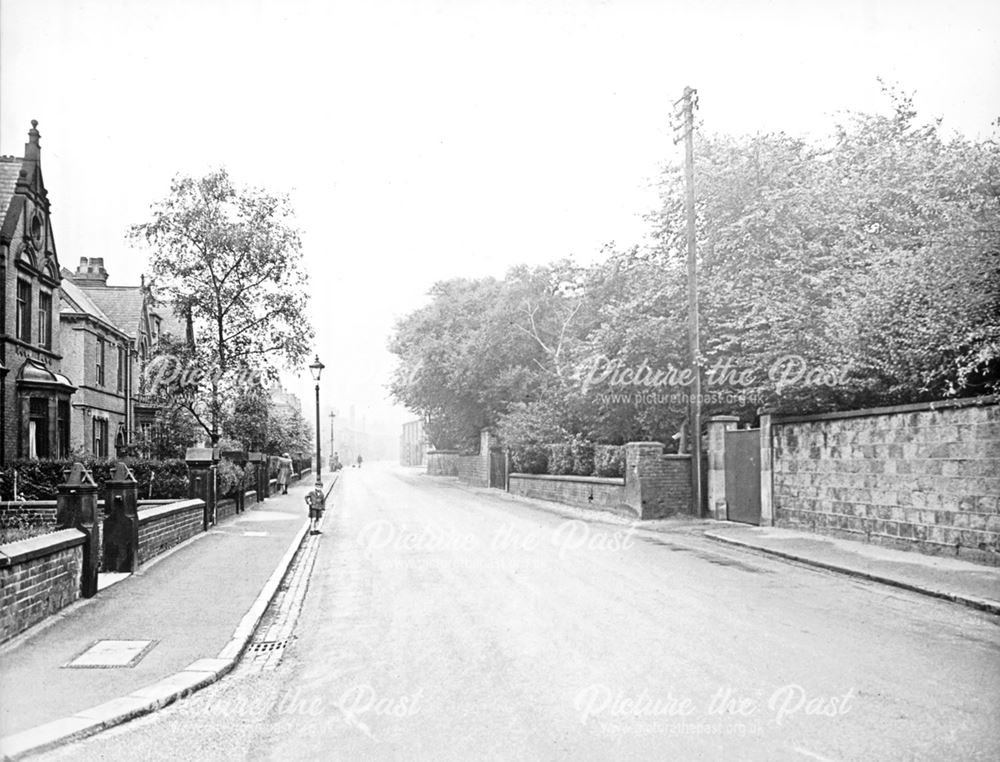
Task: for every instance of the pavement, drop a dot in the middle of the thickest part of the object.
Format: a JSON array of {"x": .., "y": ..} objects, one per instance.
[
  {"x": 970, "y": 584},
  {"x": 186, "y": 616}
]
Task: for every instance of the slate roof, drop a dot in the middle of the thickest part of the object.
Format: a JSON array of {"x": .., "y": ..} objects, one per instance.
[
  {"x": 10, "y": 167},
  {"x": 122, "y": 304},
  {"x": 75, "y": 300},
  {"x": 170, "y": 323}
]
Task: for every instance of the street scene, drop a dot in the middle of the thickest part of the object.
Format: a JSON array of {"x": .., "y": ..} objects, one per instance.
[
  {"x": 444, "y": 623},
  {"x": 556, "y": 380}
]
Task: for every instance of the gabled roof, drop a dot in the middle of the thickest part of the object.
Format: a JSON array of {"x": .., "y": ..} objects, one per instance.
[
  {"x": 170, "y": 322},
  {"x": 122, "y": 304},
  {"x": 10, "y": 168},
  {"x": 74, "y": 300}
]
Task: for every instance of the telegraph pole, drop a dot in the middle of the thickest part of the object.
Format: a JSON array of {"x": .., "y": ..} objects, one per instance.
[{"x": 684, "y": 129}]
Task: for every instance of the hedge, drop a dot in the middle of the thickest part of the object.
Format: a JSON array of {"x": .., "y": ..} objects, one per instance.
[
  {"x": 576, "y": 458},
  {"x": 39, "y": 479}
]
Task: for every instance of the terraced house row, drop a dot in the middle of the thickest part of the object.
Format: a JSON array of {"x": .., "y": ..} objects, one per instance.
[{"x": 73, "y": 347}]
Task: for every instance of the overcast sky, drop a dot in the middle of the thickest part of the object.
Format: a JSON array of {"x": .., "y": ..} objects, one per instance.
[{"x": 428, "y": 139}]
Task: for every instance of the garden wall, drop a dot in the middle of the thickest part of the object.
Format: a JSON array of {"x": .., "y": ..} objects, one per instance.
[
  {"x": 442, "y": 463},
  {"x": 163, "y": 527},
  {"x": 580, "y": 491},
  {"x": 923, "y": 477},
  {"x": 38, "y": 577}
]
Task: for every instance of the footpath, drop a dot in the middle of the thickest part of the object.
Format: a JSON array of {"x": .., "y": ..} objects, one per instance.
[
  {"x": 177, "y": 625},
  {"x": 969, "y": 584},
  {"x": 964, "y": 582}
]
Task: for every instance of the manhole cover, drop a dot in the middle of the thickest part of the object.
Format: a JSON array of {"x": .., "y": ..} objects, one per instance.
[{"x": 108, "y": 654}]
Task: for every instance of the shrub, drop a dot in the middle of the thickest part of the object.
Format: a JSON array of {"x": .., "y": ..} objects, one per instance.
[
  {"x": 529, "y": 459},
  {"x": 609, "y": 461},
  {"x": 560, "y": 459},
  {"x": 40, "y": 479},
  {"x": 229, "y": 478},
  {"x": 583, "y": 456}
]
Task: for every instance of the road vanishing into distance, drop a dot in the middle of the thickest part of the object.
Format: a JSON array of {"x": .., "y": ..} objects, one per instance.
[{"x": 447, "y": 623}]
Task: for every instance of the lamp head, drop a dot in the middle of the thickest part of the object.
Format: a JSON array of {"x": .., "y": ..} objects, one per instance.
[{"x": 316, "y": 368}]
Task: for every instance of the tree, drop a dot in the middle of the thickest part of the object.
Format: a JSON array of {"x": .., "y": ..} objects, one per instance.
[
  {"x": 858, "y": 271},
  {"x": 871, "y": 258},
  {"x": 230, "y": 259}
]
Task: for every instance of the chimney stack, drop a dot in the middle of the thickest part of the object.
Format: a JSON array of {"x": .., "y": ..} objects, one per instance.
[{"x": 91, "y": 272}]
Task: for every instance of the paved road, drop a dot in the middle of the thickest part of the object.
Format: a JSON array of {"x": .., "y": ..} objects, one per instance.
[{"x": 442, "y": 623}]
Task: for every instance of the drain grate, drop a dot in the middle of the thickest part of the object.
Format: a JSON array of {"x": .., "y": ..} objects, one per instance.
[{"x": 266, "y": 646}]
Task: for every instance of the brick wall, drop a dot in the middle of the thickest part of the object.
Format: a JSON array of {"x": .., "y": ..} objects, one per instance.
[
  {"x": 34, "y": 512},
  {"x": 923, "y": 477},
  {"x": 38, "y": 577},
  {"x": 656, "y": 485},
  {"x": 165, "y": 526},
  {"x": 475, "y": 469},
  {"x": 581, "y": 491},
  {"x": 442, "y": 463},
  {"x": 225, "y": 508}
]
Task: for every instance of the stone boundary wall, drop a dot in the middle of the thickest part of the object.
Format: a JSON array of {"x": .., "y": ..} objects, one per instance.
[
  {"x": 580, "y": 491},
  {"x": 38, "y": 577},
  {"x": 165, "y": 526},
  {"x": 924, "y": 477}
]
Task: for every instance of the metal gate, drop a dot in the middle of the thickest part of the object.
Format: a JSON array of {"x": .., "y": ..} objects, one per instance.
[
  {"x": 498, "y": 468},
  {"x": 743, "y": 476}
]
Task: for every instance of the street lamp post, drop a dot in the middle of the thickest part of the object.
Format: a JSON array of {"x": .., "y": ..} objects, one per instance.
[
  {"x": 316, "y": 369},
  {"x": 332, "y": 416}
]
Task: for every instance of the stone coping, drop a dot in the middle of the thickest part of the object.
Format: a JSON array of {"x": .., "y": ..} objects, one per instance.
[
  {"x": 916, "y": 407},
  {"x": 36, "y": 547},
  {"x": 613, "y": 481},
  {"x": 149, "y": 514}
]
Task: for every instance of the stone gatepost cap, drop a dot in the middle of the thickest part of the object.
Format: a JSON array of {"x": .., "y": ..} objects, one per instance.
[
  {"x": 79, "y": 476},
  {"x": 724, "y": 419},
  {"x": 123, "y": 473},
  {"x": 199, "y": 455}
]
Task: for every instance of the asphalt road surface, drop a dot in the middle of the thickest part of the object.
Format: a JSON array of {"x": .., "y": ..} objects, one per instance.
[{"x": 446, "y": 623}]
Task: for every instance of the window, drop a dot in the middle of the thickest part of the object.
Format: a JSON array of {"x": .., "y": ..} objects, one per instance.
[
  {"x": 22, "y": 326},
  {"x": 100, "y": 437},
  {"x": 45, "y": 319},
  {"x": 122, "y": 355},
  {"x": 38, "y": 427},
  {"x": 100, "y": 362},
  {"x": 62, "y": 427}
]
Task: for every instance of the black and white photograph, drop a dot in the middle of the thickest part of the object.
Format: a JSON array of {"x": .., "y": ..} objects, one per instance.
[{"x": 500, "y": 380}]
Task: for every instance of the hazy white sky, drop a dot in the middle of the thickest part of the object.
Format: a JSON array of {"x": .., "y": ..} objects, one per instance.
[{"x": 427, "y": 139}]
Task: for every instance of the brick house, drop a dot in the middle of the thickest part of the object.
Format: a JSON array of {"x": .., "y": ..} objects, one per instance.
[
  {"x": 130, "y": 310},
  {"x": 97, "y": 355},
  {"x": 34, "y": 392}
]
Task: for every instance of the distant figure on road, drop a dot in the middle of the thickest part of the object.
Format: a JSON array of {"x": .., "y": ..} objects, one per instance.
[
  {"x": 335, "y": 464},
  {"x": 284, "y": 472},
  {"x": 359, "y": 460}
]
